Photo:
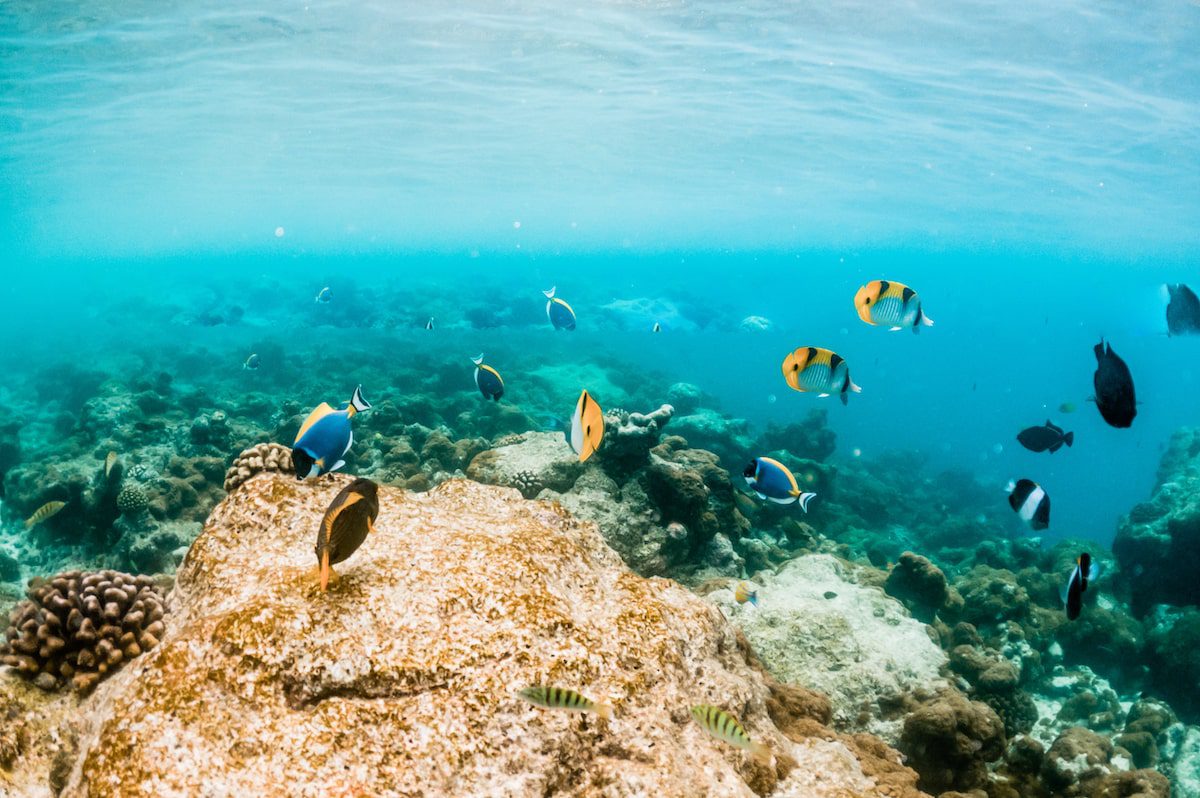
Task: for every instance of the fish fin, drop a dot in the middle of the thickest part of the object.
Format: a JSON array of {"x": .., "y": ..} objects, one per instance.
[
  {"x": 358, "y": 402},
  {"x": 1069, "y": 438},
  {"x": 1094, "y": 571},
  {"x": 823, "y": 395},
  {"x": 326, "y": 570},
  {"x": 550, "y": 294},
  {"x": 925, "y": 320},
  {"x": 1063, "y": 593},
  {"x": 604, "y": 711},
  {"x": 1011, "y": 486},
  {"x": 478, "y": 359},
  {"x": 897, "y": 329},
  {"x": 319, "y": 412},
  {"x": 370, "y": 525},
  {"x": 1054, "y": 447},
  {"x": 804, "y": 499},
  {"x": 337, "y": 465},
  {"x": 845, "y": 397},
  {"x": 753, "y": 598},
  {"x": 762, "y": 496}
]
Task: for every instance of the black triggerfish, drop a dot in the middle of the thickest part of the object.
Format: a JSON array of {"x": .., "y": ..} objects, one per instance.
[
  {"x": 1183, "y": 311},
  {"x": 1030, "y": 502},
  {"x": 1048, "y": 437},
  {"x": 1072, "y": 594},
  {"x": 1114, "y": 387}
]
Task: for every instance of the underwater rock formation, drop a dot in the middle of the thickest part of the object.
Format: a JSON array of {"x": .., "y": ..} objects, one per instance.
[
  {"x": 79, "y": 627},
  {"x": 1158, "y": 543},
  {"x": 402, "y": 679},
  {"x": 950, "y": 740},
  {"x": 921, "y": 586},
  {"x": 816, "y": 627}
]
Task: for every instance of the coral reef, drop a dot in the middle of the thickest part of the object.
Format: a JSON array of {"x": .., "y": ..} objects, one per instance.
[
  {"x": 256, "y": 459},
  {"x": 79, "y": 627},
  {"x": 383, "y": 683},
  {"x": 816, "y": 627},
  {"x": 1158, "y": 540},
  {"x": 950, "y": 740},
  {"x": 921, "y": 586}
]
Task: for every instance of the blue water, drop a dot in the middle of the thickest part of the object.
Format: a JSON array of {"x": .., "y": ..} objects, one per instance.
[{"x": 1034, "y": 172}]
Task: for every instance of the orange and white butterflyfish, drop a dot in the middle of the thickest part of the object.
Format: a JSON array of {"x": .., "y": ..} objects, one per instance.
[
  {"x": 587, "y": 427},
  {"x": 325, "y": 437},
  {"x": 487, "y": 379},
  {"x": 821, "y": 371},
  {"x": 894, "y": 305},
  {"x": 350, "y": 517},
  {"x": 558, "y": 311}
]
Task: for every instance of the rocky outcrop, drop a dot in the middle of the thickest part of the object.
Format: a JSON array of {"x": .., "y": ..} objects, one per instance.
[
  {"x": 402, "y": 679},
  {"x": 1158, "y": 543},
  {"x": 814, "y": 626}
]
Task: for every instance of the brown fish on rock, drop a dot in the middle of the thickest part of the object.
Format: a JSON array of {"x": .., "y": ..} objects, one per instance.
[{"x": 350, "y": 517}]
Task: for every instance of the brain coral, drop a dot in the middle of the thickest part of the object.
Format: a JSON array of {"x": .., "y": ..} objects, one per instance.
[
  {"x": 263, "y": 457},
  {"x": 81, "y": 626}
]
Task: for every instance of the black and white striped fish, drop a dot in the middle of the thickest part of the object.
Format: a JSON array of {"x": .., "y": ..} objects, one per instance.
[{"x": 1030, "y": 502}]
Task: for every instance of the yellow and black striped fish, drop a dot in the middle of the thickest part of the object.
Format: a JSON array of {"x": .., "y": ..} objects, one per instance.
[
  {"x": 895, "y": 305},
  {"x": 350, "y": 517},
  {"x": 725, "y": 727},
  {"x": 821, "y": 371},
  {"x": 44, "y": 513},
  {"x": 563, "y": 698}
]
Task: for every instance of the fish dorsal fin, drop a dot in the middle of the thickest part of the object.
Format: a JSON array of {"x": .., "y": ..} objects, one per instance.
[{"x": 318, "y": 413}]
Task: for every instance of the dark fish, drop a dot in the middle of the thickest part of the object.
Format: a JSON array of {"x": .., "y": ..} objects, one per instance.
[
  {"x": 1030, "y": 502},
  {"x": 488, "y": 380},
  {"x": 252, "y": 363},
  {"x": 558, "y": 311},
  {"x": 350, "y": 517},
  {"x": 1183, "y": 311},
  {"x": 1049, "y": 436},
  {"x": 429, "y": 324},
  {"x": 1072, "y": 595},
  {"x": 1114, "y": 387},
  {"x": 324, "y": 296}
]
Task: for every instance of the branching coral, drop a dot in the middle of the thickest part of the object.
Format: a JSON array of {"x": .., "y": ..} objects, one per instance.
[{"x": 81, "y": 626}]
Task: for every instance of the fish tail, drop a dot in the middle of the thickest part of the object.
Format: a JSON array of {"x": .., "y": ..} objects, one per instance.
[
  {"x": 358, "y": 402},
  {"x": 803, "y": 499},
  {"x": 478, "y": 359},
  {"x": 550, "y": 294},
  {"x": 753, "y": 598},
  {"x": 1069, "y": 438},
  {"x": 760, "y": 752},
  {"x": 845, "y": 396},
  {"x": 31, "y": 522},
  {"x": 326, "y": 570}
]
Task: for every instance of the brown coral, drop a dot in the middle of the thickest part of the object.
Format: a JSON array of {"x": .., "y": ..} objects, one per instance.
[
  {"x": 949, "y": 740},
  {"x": 81, "y": 626},
  {"x": 263, "y": 457}
]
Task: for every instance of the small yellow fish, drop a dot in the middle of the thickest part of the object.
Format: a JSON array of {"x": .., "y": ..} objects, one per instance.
[
  {"x": 110, "y": 462},
  {"x": 563, "y": 698},
  {"x": 725, "y": 727},
  {"x": 44, "y": 513},
  {"x": 746, "y": 592}
]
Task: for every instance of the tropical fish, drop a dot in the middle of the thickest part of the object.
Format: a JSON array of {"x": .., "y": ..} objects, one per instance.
[
  {"x": 563, "y": 698},
  {"x": 587, "y": 427},
  {"x": 325, "y": 437},
  {"x": 725, "y": 727},
  {"x": 1072, "y": 594},
  {"x": 1183, "y": 311},
  {"x": 892, "y": 304},
  {"x": 656, "y": 328},
  {"x": 429, "y": 324},
  {"x": 1114, "y": 387},
  {"x": 818, "y": 370},
  {"x": 487, "y": 379},
  {"x": 350, "y": 517},
  {"x": 1048, "y": 436},
  {"x": 1030, "y": 502},
  {"x": 745, "y": 592},
  {"x": 252, "y": 362},
  {"x": 772, "y": 480},
  {"x": 324, "y": 296},
  {"x": 44, "y": 513},
  {"x": 1066, "y": 407},
  {"x": 111, "y": 460},
  {"x": 558, "y": 311}
]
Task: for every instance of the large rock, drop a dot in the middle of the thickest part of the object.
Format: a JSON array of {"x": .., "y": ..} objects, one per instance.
[
  {"x": 401, "y": 679},
  {"x": 814, "y": 626},
  {"x": 1158, "y": 543}
]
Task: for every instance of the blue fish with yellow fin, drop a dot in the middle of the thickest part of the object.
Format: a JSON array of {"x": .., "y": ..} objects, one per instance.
[
  {"x": 325, "y": 437},
  {"x": 772, "y": 480},
  {"x": 559, "y": 312},
  {"x": 487, "y": 379}
]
